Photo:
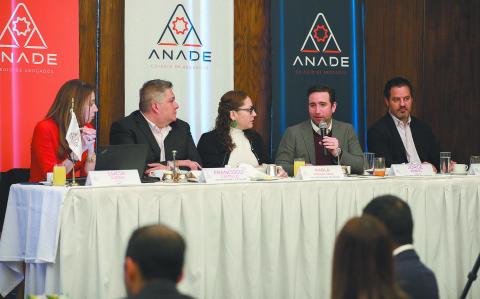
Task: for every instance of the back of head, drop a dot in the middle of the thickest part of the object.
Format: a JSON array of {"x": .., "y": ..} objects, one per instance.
[
  {"x": 396, "y": 82},
  {"x": 152, "y": 90},
  {"x": 158, "y": 251},
  {"x": 362, "y": 262},
  {"x": 395, "y": 214}
]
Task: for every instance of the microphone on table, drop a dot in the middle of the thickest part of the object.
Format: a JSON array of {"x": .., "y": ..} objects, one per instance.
[{"x": 323, "y": 132}]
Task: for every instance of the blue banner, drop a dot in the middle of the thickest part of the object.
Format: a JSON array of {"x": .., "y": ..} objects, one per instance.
[{"x": 317, "y": 42}]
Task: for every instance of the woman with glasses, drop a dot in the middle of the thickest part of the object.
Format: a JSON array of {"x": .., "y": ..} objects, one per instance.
[
  {"x": 233, "y": 141},
  {"x": 49, "y": 145}
]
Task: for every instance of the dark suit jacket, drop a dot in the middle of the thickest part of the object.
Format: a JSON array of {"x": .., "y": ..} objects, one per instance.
[
  {"x": 215, "y": 154},
  {"x": 384, "y": 141},
  {"x": 134, "y": 129},
  {"x": 414, "y": 277},
  {"x": 160, "y": 289}
]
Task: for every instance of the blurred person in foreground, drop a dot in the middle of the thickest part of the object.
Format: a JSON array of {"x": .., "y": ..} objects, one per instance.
[
  {"x": 412, "y": 275},
  {"x": 154, "y": 262},
  {"x": 233, "y": 141},
  {"x": 156, "y": 124},
  {"x": 363, "y": 263},
  {"x": 49, "y": 145}
]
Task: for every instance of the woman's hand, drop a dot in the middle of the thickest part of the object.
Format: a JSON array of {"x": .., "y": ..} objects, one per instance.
[{"x": 89, "y": 137}]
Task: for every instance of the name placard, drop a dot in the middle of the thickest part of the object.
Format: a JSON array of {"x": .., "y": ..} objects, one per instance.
[
  {"x": 112, "y": 177},
  {"x": 225, "y": 175},
  {"x": 411, "y": 170},
  {"x": 320, "y": 172},
  {"x": 474, "y": 169}
]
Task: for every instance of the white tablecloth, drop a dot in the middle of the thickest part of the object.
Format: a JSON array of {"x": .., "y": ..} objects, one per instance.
[{"x": 252, "y": 240}]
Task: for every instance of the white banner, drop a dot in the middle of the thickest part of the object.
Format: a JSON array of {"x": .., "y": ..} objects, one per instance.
[{"x": 189, "y": 43}]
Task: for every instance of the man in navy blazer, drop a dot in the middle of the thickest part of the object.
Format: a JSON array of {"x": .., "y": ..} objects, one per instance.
[
  {"x": 156, "y": 125},
  {"x": 398, "y": 136},
  {"x": 412, "y": 275}
]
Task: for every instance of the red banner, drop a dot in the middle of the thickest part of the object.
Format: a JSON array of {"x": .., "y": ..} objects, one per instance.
[{"x": 39, "y": 51}]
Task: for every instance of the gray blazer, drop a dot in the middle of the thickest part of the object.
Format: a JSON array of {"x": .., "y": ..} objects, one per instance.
[{"x": 297, "y": 142}]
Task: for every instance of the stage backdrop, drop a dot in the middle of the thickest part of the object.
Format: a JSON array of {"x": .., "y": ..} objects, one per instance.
[
  {"x": 189, "y": 43},
  {"x": 38, "y": 53},
  {"x": 317, "y": 42}
]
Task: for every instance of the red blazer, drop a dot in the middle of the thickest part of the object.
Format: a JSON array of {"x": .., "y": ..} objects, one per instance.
[{"x": 45, "y": 143}]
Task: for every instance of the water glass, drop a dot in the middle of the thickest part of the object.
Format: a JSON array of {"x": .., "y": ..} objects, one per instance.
[
  {"x": 445, "y": 158},
  {"x": 474, "y": 160},
  {"x": 379, "y": 166},
  {"x": 368, "y": 161}
]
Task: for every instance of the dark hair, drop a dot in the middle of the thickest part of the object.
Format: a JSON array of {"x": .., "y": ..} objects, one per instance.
[
  {"x": 396, "y": 82},
  {"x": 74, "y": 89},
  {"x": 321, "y": 88},
  {"x": 158, "y": 251},
  {"x": 231, "y": 100},
  {"x": 150, "y": 91},
  {"x": 395, "y": 214},
  {"x": 363, "y": 262}
]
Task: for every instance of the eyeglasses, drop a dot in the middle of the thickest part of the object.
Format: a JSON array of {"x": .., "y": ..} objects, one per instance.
[{"x": 250, "y": 110}]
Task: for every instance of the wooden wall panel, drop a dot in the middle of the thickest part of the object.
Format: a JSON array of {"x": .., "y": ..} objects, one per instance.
[
  {"x": 111, "y": 64},
  {"x": 112, "y": 70},
  {"x": 394, "y": 47},
  {"x": 452, "y": 75},
  {"x": 252, "y": 58},
  {"x": 88, "y": 19}
]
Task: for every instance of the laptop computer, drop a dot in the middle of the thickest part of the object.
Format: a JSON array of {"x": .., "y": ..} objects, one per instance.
[{"x": 122, "y": 157}]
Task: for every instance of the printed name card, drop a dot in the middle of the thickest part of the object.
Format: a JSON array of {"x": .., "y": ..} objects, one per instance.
[
  {"x": 112, "y": 177},
  {"x": 225, "y": 175},
  {"x": 474, "y": 169},
  {"x": 320, "y": 172},
  {"x": 411, "y": 170}
]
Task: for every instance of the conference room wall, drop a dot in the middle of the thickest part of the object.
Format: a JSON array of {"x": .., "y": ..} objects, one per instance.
[{"x": 431, "y": 42}]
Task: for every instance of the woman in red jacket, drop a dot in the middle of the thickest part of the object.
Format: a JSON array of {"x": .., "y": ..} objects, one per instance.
[{"x": 49, "y": 146}]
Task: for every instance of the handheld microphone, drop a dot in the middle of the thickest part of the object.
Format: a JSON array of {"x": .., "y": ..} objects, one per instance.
[{"x": 323, "y": 132}]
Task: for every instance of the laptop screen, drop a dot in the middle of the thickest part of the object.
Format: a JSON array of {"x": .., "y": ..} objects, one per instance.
[{"x": 122, "y": 157}]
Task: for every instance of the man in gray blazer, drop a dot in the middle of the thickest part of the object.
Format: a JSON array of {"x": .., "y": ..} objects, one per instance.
[
  {"x": 156, "y": 125},
  {"x": 303, "y": 140}
]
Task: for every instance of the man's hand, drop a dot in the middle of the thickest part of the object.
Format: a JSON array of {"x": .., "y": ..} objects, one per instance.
[
  {"x": 156, "y": 166},
  {"x": 190, "y": 164},
  {"x": 331, "y": 144}
]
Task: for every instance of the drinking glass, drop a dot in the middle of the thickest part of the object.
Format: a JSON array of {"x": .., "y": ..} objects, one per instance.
[
  {"x": 379, "y": 166},
  {"x": 368, "y": 161},
  {"x": 474, "y": 160},
  {"x": 59, "y": 175},
  {"x": 297, "y": 163},
  {"x": 445, "y": 158}
]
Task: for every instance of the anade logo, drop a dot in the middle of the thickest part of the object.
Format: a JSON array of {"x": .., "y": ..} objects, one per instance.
[
  {"x": 179, "y": 30},
  {"x": 21, "y": 31},
  {"x": 320, "y": 49},
  {"x": 320, "y": 38}
]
